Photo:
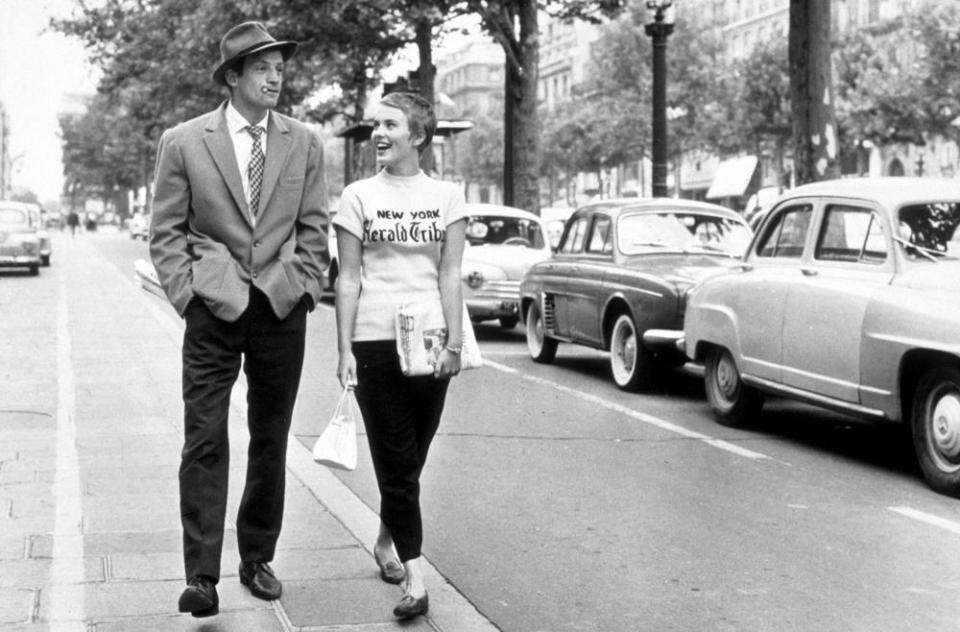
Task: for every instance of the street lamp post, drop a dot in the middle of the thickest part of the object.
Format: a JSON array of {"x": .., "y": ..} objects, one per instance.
[{"x": 659, "y": 29}]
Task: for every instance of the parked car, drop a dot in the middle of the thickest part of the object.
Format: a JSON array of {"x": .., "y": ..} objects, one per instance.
[
  {"x": 140, "y": 226},
  {"x": 849, "y": 299},
  {"x": 502, "y": 243},
  {"x": 36, "y": 220},
  {"x": 621, "y": 275},
  {"x": 19, "y": 242}
]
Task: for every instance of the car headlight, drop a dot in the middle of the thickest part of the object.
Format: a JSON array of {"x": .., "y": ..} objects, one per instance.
[
  {"x": 30, "y": 247},
  {"x": 475, "y": 279}
]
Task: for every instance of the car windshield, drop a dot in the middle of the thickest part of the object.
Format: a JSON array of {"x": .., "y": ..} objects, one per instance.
[
  {"x": 643, "y": 233},
  {"x": 12, "y": 216},
  {"x": 929, "y": 231},
  {"x": 483, "y": 230}
]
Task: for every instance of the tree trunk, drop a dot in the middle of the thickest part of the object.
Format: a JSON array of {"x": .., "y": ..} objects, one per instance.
[
  {"x": 811, "y": 92},
  {"x": 426, "y": 75},
  {"x": 525, "y": 126}
]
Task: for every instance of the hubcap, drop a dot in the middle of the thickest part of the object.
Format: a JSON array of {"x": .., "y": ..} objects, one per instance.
[
  {"x": 626, "y": 349},
  {"x": 535, "y": 340},
  {"x": 945, "y": 429},
  {"x": 727, "y": 379}
]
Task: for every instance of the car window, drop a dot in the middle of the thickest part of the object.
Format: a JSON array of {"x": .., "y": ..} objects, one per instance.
[
  {"x": 786, "y": 233},
  {"x": 12, "y": 216},
  {"x": 497, "y": 229},
  {"x": 931, "y": 229},
  {"x": 669, "y": 231},
  {"x": 600, "y": 236},
  {"x": 851, "y": 233},
  {"x": 573, "y": 242}
]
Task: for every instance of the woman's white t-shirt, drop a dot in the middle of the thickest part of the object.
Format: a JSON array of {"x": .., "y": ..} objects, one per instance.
[{"x": 401, "y": 222}]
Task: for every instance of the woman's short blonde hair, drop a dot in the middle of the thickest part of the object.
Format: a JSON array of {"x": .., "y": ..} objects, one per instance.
[{"x": 419, "y": 112}]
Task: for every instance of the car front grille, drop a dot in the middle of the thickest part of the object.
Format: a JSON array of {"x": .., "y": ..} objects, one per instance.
[
  {"x": 499, "y": 291},
  {"x": 549, "y": 313}
]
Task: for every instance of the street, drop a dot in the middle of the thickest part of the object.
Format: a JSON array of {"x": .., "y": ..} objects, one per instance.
[{"x": 555, "y": 502}]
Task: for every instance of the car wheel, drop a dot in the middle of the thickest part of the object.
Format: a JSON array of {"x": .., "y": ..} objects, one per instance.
[
  {"x": 630, "y": 363},
  {"x": 45, "y": 260},
  {"x": 542, "y": 348},
  {"x": 733, "y": 403},
  {"x": 509, "y": 322},
  {"x": 936, "y": 429},
  {"x": 34, "y": 269}
]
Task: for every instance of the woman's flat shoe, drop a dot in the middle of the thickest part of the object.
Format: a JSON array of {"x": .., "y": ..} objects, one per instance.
[
  {"x": 410, "y": 606},
  {"x": 391, "y": 571}
]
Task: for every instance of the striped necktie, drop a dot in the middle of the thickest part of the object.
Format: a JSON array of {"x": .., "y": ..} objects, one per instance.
[{"x": 255, "y": 170}]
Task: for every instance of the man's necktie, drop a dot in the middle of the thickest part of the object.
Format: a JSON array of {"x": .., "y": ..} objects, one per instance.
[{"x": 255, "y": 171}]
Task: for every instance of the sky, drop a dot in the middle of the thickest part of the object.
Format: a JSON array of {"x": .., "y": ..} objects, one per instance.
[{"x": 39, "y": 71}]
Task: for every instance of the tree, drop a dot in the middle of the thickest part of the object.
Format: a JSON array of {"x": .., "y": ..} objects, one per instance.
[
  {"x": 514, "y": 25},
  {"x": 811, "y": 92}
]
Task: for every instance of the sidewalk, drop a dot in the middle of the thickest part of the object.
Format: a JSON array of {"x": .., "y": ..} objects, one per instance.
[{"x": 90, "y": 434}]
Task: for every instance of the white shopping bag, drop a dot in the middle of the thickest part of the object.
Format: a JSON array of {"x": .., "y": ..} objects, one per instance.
[{"x": 337, "y": 445}]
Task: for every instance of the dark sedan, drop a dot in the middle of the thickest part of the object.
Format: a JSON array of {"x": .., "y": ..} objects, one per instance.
[{"x": 620, "y": 278}]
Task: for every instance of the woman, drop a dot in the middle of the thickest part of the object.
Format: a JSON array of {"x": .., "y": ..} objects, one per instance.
[{"x": 401, "y": 238}]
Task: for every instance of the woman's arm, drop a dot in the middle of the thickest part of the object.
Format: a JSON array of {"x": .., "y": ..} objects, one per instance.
[
  {"x": 347, "y": 295},
  {"x": 451, "y": 298}
]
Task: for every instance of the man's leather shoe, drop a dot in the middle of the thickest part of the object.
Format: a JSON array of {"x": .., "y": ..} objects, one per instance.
[
  {"x": 259, "y": 578},
  {"x": 410, "y": 606},
  {"x": 200, "y": 598}
]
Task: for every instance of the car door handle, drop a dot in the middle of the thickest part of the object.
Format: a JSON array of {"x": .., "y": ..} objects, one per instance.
[
  {"x": 575, "y": 269},
  {"x": 809, "y": 272}
]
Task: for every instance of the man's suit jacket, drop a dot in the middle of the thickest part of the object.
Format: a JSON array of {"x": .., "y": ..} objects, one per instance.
[{"x": 202, "y": 240}]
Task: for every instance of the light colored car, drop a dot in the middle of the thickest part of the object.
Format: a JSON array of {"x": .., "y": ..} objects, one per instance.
[
  {"x": 140, "y": 226},
  {"x": 555, "y": 218},
  {"x": 502, "y": 243},
  {"x": 621, "y": 275},
  {"x": 19, "y": 242},
  {"x": 848, "y": 298},
  {"x": 40, "y": 226}
]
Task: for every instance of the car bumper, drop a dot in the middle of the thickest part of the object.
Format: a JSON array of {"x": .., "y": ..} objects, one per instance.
[
  {"x": 495, "y": 299},
  {"x": 664, "y": 339},
  {"x": 18, "y": 260}
]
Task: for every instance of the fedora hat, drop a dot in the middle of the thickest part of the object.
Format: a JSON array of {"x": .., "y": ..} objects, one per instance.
[{"x": 246, "y": 39}]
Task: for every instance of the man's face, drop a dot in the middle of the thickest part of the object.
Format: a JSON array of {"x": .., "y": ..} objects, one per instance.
[{"x": 258, "y": 88}]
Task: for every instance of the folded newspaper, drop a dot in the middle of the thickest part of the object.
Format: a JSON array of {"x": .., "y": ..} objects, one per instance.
[{"x": 421, "y": 335}]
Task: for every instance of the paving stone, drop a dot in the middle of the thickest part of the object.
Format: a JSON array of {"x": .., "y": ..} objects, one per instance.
[
  {"x": 338, "y": 602},
  {"x": 254, "y": 621},
  {"x": 13, "y": 546},
  {"x": 104, "y": 520},
  {"x": 160, "y": 566},
  {"x": 16, "y": 605},
  {"x": 36, "y": 573},
  {"x": 110, "y": 600},
  {"x": 314, "y": 563},
  {"x": 41, "y": 546}
]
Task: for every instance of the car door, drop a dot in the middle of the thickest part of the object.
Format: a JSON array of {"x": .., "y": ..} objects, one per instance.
[
  {"x": 561, "y": 268},
  {"x": 759, "y": 302},
  {"x": 828, "y": 300},
  {"x": 585, "y": 289}
]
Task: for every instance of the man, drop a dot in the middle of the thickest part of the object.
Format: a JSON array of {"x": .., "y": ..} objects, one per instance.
[{"x": 238, "y": 238}]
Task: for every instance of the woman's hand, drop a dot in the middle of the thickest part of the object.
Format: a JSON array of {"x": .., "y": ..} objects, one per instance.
[
  {"x": 347, "y": 370},
  {"x": 448, "y": 364}
]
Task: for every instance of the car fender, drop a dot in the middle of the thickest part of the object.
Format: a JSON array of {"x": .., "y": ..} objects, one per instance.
[{"x": 709, "y": 322}]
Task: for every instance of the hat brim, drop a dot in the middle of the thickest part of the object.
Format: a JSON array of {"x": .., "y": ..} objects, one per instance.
[{"x": 287, "y": 49}]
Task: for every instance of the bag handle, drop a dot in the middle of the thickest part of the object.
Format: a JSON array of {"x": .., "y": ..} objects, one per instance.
[{"x": 342, "y": 400}]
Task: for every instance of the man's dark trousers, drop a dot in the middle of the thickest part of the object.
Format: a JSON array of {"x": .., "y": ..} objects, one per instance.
[{"x": 272, "y": 350}]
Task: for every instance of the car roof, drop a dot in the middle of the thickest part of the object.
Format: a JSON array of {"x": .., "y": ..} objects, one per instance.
[
  {"x": 891, "y": 190},
  {"x": 476, "y": 208},
  {"x": 621, "y": 205}
]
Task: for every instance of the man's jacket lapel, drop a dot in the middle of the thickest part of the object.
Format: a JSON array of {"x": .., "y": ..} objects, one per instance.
[
  {"x": 217, "y": 140},
  {"x": 278, "y": 146}
]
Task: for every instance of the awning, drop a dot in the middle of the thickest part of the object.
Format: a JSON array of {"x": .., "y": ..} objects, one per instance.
[{"x": 733, "y": 177}]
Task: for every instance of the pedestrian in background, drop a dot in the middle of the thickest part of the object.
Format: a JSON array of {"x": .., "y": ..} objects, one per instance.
[
  {"x": 401, "y": 237},
  {"x": 238, "y": 238},
  {"x": 73, "y": 220}
]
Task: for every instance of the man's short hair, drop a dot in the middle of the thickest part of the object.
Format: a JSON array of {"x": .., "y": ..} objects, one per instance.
[{"x": 419, "y": 112}]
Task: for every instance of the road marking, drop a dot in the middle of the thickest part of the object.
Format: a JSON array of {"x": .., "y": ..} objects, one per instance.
[
  {"x": 635, "y": 414},
  {"x": 928, "y": 518},
  {"x": 66, "y": 601}
]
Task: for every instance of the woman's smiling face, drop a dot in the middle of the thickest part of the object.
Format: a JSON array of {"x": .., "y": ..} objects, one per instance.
[{"x": 395, "y": 143}]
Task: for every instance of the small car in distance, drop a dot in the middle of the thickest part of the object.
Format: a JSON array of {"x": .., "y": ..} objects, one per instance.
[
  {"x": 36, "y": 219},
  {"x": 19, "y": 243},
  {"x": 848, "y": 299},
  {"x": 140, "y": 226},
  {"x": 502, "y": 243},
  {"x": 619, "y": 280}
]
